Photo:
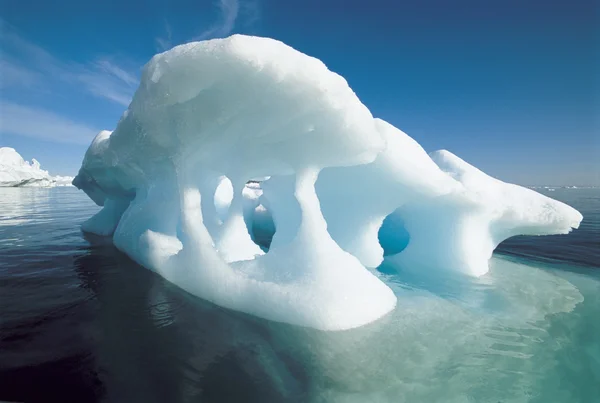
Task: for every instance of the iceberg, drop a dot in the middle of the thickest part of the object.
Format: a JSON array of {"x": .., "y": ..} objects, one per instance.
[
  {"x": 464, "y": 226},
  {"x": 16, "y": 172},
  {"x": 252, "y": 176}
]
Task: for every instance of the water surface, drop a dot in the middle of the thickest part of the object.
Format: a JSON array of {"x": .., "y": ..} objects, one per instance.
[{"x": 81, "y": 322}]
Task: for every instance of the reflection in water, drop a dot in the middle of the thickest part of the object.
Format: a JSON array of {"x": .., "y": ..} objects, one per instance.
[
  {"x": 22, "y": 205},
  {"x": 81, "y": 322},
  {"x": 174, "y": 344},
  {"x": 162, "y": 344}
]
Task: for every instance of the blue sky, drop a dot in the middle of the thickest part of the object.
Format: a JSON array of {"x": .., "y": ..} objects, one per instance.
[{"x": 511, "y": 86}]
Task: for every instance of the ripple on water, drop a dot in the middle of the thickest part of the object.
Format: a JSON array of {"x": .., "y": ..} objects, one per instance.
[{"x": 79, "y": 318}]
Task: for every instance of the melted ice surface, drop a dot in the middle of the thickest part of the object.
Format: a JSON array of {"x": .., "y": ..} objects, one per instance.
[{"x": 210, "y": 116}]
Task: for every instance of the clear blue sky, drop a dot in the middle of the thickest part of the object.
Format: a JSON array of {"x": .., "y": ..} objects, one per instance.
[{"x": 511, "y": 86}]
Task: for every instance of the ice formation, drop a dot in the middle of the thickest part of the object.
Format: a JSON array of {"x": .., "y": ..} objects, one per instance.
[
  {"x": 16, "y": 172},
  {"x": 211, "y": 116},
  {"x": 464, "y": 226}
]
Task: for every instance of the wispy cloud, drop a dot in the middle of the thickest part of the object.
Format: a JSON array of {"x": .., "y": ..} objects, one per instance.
[
  {"x": 29, "y": 71},
  {"x": 165, "y": 43},
  {"x": 14, "y": 75},
  {"x": 105, "y": 86},
  {"x": 105, "y": 79},
  {"x": 29, "y": 62},
  {"x": 111, "y": 68},
  {"x": 229, "y": 14},
  {"x": 13, "y": 43},
  {"x": 42, "y": 124},
  {"x": 232, "y": 13},
  {"x": 250, "y": 13},
  {"x": 29, "y": 67}
]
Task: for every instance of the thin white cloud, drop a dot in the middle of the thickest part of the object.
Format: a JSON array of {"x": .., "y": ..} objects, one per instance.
[
  {"x": 111, "y": 68},
  {"x": 107, "y": 80},
  {"x": 229, "y": 13},
  {"x": 42, "y": 124},
  {"x": 250, "y": 13},
  {"x": 11, "y": 41},
  {"x": 103, "y": 86},
  {"x": 14, "y": 75},
  {"x": 165, "y": 43},
  {"x": 101, "y": 78}
]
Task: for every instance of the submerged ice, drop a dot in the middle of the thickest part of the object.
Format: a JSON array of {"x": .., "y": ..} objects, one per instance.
[{"x": 300, "y": 247}]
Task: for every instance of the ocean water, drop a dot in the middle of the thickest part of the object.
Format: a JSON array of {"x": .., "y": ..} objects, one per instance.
[{"x": 80, "y": 322}]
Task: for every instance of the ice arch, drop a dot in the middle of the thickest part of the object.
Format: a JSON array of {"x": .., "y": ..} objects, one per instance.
[
  {"x": 464, "y": 226},
  {"x": 210, "y": 116},
  {"x": 240, "y": 107}
]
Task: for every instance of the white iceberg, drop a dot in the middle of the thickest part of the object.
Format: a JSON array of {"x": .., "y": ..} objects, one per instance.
[
  {"x": 464, "y": 226},
  {"x": 210, "y": 116},
  {"x": 16, "y": 172}
]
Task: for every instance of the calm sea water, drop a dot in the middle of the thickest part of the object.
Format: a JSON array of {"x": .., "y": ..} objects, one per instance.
[{"x": 80, "y": 322}]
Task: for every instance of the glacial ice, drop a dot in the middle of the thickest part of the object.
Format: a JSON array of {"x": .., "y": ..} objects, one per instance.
[
  {"x": 16, "y": 172},
  {"x": 211, "y": 116}
]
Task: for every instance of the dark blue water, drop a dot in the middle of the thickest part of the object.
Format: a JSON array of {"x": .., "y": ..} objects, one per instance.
[
  {"x": 581, "y": 247},
  {"x": 80, "y": 322}
]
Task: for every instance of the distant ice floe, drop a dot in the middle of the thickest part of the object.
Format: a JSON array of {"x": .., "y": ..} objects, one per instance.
[
  {"x": 16, "y": 172},
  {"x": 332, "y": 185},
  {"x": 553, "y": 188}
]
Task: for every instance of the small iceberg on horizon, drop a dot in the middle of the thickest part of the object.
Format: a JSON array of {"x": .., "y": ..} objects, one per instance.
[{"x": 16, "y": 172}]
